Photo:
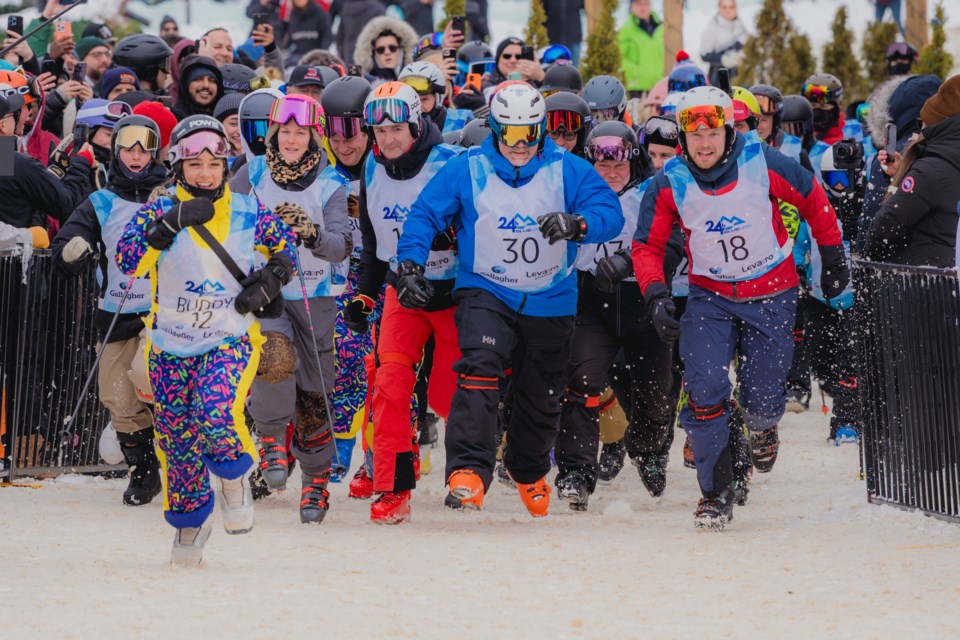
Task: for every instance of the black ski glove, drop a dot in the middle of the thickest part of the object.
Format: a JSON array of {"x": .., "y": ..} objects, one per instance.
[
  {"x": 445, "y": 240},
  {"x": 358, "y": 313},
  {"x": 261, "y": 289},
  {"x": 834, "y": 276},
  {"x": 662, "y": 312},
  {"x": 562, "y": 226},
  {"x": 162, "y": 231},
  {"x": 413, "y": 289},
  {"x": 612, "y": 270}
]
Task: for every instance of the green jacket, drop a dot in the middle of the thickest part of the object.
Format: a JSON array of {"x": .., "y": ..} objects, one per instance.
[
  {"x": 42, "y": 38},
  {"x": 641, "y": 54}
]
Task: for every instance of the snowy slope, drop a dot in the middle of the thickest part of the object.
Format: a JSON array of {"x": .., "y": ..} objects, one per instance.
[{"x": 807, "y": 557}]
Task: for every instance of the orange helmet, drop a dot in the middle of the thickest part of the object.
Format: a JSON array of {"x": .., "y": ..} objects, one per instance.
[{"x": 13, "y": 82}]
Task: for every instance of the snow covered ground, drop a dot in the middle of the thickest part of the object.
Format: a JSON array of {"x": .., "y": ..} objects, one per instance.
[{"x": 807, "y": 557}]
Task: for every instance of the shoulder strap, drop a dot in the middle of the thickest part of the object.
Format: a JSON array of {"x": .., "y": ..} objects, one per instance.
[{"x": 218, "y": 249}]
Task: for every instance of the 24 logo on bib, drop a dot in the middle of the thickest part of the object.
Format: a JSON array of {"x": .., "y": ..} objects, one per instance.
[
  {"x": 517, "y": 224},
  {"x": 726, "y": 224}
]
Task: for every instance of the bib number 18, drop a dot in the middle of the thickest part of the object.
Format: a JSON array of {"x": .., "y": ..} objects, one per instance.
[{"x": 735, "y": 248}]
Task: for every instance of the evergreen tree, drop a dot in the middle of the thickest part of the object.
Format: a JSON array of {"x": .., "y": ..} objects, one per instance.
[
  {"x": 934, "y": 58},
  {"x": 873, "y": 52},
  {"x": 770, "y": 57},
  {"x": 535, "y": 34},
  {"x": 603, "y": 50},
  {"x": 839, "y": 59},
  {"x": 452, "y": 8}
]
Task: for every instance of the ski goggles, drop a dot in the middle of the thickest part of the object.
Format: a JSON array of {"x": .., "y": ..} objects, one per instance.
[
  {"x": 710, "y": 116},
  {"x": 111, "y": 111},
  {"x": 793, "y": 128},
  {"x": 900, "y": 50},
  {"x": 863, "y": 111},
  {"x": 253, "y": 130},
  {"x": 422, "y": 85},
  {"x": 555, "y": 52},
  {"x": 569, "y": 120},
  {"x": 379, "y": 111},
  {"x": 767, "y": 105},
  {"x": 609, "y": 148},
  {"x": 196, "y": 143},
  {"x": 607, "y": 114},
  {"x": 837, "y": 180},
  {"x": 305, "y": 113},
  {"x": 344, "y": 127},
  {"x": 130, "y": 136},
  {"x": 662, "y": 128},
  {"x": 513, "y": 134},
  {"x": 428, "y": 42},
  {"x": 818, "y": 94}
]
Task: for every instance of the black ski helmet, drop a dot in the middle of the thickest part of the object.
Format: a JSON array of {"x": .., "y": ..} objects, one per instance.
[
  {"x": 345, "y": 96},
  {"x": 639, "y": 162},
  {"x": 473, "y": 51},
  {"x": 562, "y": 77},
  {"x": 797, "y": 118},
  {"x": 236, "y": 78},
  {"x": 474, "y": 133},
  {"x": 771, "y": 103},
  {"x": 603, "y": 93},
  {"x": 184, "y": 129},
  {"x": 566, "y": 101},
  {"x": 254, "y": 116},
  {"x": 132, "y": 121},
  {"x": 145, "y": 53}
]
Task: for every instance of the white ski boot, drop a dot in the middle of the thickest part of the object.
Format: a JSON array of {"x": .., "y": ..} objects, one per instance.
[{"x": 188, "y": 545}]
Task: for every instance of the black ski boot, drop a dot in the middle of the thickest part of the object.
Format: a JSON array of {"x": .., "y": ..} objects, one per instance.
[
  {"x": 764, "y": 446},
  {"x": 652, "y": 468},
  {"x": 314, "y": 497},
  {"x": 574, "y": 489},
  {"x": 429, "y": 435},
  {"x": 713, "y": 514},
  {"x": 141, "y": 457},
  {"x": 612, "y": 455}
]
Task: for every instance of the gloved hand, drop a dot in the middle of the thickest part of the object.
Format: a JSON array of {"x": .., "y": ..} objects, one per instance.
[
  {"x": 162, "y": 231},
  {"x": 77, "y": 250},
  {"x": 445, "y": 240},
  {"x": 413, "y": 289},
  {"x": 612, "y": 270},
  {"x": 299, "y": 221},
  {"x": 559, "y": 226},
  {"x": 262, "y": 287},
  {"x": 834, "y": 274},
  {"x": 662, "y": 312},
  {"x": 469, "y": 99},
  {"x": 358, "y": 311},
  {"x": 41, "y": 239}
]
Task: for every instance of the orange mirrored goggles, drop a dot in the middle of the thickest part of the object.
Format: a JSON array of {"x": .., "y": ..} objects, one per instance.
[{"x": 709, "y": 116}]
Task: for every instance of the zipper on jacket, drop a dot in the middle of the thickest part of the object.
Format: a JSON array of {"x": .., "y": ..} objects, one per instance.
[{"x": 523, "y": 303}]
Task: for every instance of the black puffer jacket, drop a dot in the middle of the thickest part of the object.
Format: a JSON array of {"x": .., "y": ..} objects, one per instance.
[
  {"x": 84, "y": 222},
  {"x": 187, "y": 107},
  {"x": 306, "y": 30},
  {"x": 918, "y": 224},
  {"x": 32, "y": 193}
]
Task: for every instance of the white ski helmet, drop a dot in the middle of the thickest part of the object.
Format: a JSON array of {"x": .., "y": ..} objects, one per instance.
[
  {"x": 425, "y": 77},
  {"x": 518, "y": 113},
  {"x": 693, "y": 113},
  {"x": 393, "y": 103}
]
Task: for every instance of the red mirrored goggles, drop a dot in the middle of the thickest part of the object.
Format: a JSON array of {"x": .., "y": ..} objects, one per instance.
[{"x": 569, "y": 120}]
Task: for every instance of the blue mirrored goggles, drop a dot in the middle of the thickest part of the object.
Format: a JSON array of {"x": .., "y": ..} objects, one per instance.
[
  {"x": 555, "y": 52},
  {"x": 836, "y": 180}
]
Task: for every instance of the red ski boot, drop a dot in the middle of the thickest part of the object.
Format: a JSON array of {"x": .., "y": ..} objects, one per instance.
[
  {"x": 361, "y": 487},
  {"x": 390, "y": 508}
]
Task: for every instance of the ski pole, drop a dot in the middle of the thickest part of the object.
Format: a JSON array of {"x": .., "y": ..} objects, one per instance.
[
  {"x": 68, "y": 428},
  {"x": 45, "y": 23},
  {"x": 316, "y": 353}
]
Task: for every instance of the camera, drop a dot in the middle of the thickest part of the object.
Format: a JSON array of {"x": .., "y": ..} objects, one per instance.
[{"x": 848, "y": 154}]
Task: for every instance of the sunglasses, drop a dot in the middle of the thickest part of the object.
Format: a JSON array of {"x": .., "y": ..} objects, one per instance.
[
  {"x": 558, "y": 134},
  {"x": 510, "y": 56},
  {"x": 392, "y": 48}
]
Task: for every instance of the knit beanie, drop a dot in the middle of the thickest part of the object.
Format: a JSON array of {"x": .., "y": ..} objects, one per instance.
[
  {"x": 161, "y": 115},
  {"x": 88, "y": 44},
  {"x": 115, "y": 76},
  {"x": 945, "y": 103}
]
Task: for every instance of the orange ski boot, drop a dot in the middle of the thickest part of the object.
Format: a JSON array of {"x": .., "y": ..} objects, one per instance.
[
  {"x": 536, "y": 497},
  {"x": 466, "y": 490}
]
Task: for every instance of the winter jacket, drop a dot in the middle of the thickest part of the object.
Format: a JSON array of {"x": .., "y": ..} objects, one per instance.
[
  {"x": 898, "y": 100},
  {"x": 788, "y": 181},
  {"x": 185, "y": 106},
  {"x": 641, "y": 54},
  {"x": 373, "y": 270},
  {"x": 418, "y": 15},
  {"x": 85, "y": 223},
  {"x": 272, "y": 11},
  {"x": 307, "y": 29},
  {"x": 563, "y": 21},
  {"x": 32, "y": 193},
  {"x": 721, "y": 45},
  {"x": 354, "y": 17},
  {"x": 363, "y": 53},
  {"x": 41, "y": 144},
  {"x": 917, "y": 225},
  {"x": 451, "y": 198}
]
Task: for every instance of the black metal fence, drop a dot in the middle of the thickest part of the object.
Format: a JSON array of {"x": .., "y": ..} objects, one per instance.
[
  {"x": 47, "y": 346},
  {"x": 909, "y": 380}
]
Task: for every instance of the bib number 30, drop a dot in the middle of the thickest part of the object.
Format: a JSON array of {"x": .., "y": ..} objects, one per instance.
[
  {"x": 527, "y": 250},
  {"x": 734, "y": 248}
]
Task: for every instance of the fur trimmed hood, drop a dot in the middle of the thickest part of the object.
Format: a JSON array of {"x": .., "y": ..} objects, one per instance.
[
  {"x": 363, "y": 54},
  {"x": 321, "y": 58},
  {"x": 899, "y": 100}
]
